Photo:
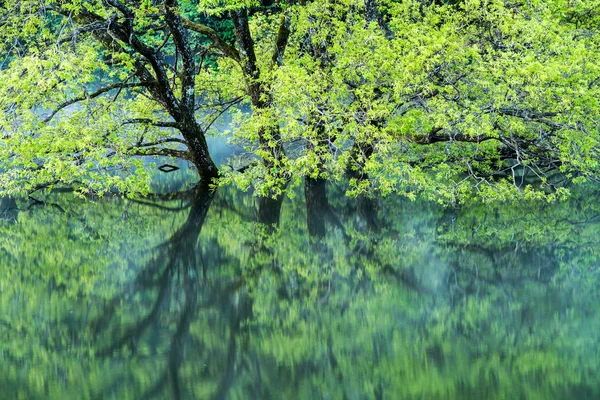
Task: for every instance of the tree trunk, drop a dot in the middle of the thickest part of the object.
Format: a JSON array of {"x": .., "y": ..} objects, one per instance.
[
  {"x": 198, "y": 148},
  {"x": 259, "y": 94},
  {"x": 159, "y": 85},
  {"x": 372, "y": 13}
]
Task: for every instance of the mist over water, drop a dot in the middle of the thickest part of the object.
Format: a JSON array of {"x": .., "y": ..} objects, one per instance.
[{"x": 227, "y": 296}]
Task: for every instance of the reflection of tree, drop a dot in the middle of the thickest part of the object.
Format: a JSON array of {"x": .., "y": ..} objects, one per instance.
[
  {"x": 242, "y": 301},
  {"x": 511, "y": 245},
  {"x": 238, "y": 364},
  {"x": 176, "y": 281},
  {"x": 174, "y": 285},
  {"x": 174, "y": 276},
  {"x": 488, "y": 291}
]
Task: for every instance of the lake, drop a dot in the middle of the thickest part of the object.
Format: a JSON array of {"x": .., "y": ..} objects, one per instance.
[{"x": 319, "y": 296}]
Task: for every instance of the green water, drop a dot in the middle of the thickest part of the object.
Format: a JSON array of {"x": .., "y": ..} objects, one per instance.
[{"x": 319, "y": 297}]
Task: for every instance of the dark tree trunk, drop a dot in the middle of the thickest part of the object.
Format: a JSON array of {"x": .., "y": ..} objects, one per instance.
[
  {"x": 8, "y": 209},
  {"x": 260, "y": 95},
  {"x": 320, "y": 215},
  {"x": 198, "y": 148},
  {"x": 372, "y": 14},
  {"x": 317, "y": 206},
  {"x": 269, "y": 211},
  {"x": 159, "y": 86},
  {"x": 367, "y": 208}
]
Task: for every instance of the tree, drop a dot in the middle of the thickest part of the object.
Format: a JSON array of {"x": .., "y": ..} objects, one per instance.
[
  {"x": 446, "y": 99},
  {"x": 131, "y": 67}
]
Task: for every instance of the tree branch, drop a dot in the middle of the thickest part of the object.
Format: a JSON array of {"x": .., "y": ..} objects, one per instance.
[
  {"x": 217, "y": 40},
  {"x": 180, "y": 38},
  {"x": 155, "y": 151},
  {"x": 161, "y": 141},
  {"x": 283, "y": 35},
  {"x": 434, "y": 136},
  {"x": 93, "y": 95},
  {"x": 160, "y": 124}
]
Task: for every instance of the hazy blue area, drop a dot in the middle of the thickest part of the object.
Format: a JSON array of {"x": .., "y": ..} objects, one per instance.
[{"x": 318, "y": 297}]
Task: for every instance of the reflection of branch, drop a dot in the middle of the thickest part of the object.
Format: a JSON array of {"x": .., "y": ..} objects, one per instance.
[
  {"x": 222, "y": 204},
  {"x": 188, "y": 195},
  {"x": 9, "y": 326},
  {"x": 229, "y": 375},
  {"x": 35, "y": 202},
  {"x": 497, "y": 260},
  {"x": 137, "y": 330},
  {"x": 160, "y": 207},
  {"x": 176, "y": 258},
  {"x": 157, "y": 388},
  {"x": 174, "y": 253}
]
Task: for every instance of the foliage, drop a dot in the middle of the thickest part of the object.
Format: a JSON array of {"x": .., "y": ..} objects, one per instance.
[
  {"x": 449, "y": 100},
  {"x": 463, "y": 99}
]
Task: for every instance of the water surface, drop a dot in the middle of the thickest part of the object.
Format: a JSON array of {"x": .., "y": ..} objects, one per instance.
[{"x": 320, "y": 296}]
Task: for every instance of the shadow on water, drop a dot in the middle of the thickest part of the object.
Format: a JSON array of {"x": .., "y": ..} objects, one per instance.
[{"x": 220, "y": 295}]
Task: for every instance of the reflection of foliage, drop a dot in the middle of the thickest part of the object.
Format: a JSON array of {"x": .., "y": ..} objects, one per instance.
[{"x": 388, "y": 299}]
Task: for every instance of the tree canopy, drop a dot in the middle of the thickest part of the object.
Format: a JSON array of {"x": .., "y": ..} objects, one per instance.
[{"x": 442, "y": 98}]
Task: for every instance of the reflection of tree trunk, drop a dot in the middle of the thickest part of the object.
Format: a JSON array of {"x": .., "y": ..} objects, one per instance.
[
  {"x": 317, "y": 206},
  {"x": 240, "y": 315},
  {"x": 188, "y": 313},
  {"x": 269, "y": 213},
  {"x": 269, "y": 210},
  {"x": 172, "y": 271},
  {"x": 8, "y": 209},
  {"x": 318, "y": 210},
  {"x": 367, "y": 209}
]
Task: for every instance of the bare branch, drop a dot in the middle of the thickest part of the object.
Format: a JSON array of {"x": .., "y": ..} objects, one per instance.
[
  {"x": 155, "y": 151},
  {"x": 161, "y": 141},
  {"x": 147, "y": 121},
  {"x": 435, "y": 136},
  {"x": 93, "y": 95}
]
